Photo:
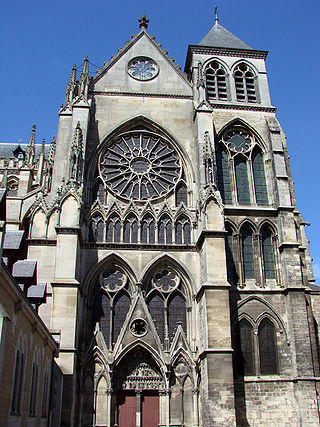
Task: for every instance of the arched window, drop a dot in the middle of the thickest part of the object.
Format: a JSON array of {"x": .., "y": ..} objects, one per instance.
[
  {"x": 216, "y": 82},
  {"x": 147, "y": 229},
  {"x": 259, "y": 178},
  {"x": 247, "y": 347},
  {"x": 181, "y": 194},
  {"x": 247, "y": 254},
  {"x": 241, "y": 171},
  {"x": 245, "y": 85},
  {"x": 166, "y": 302},
  {"x": 101, "y": 310},
  {"x": 231, "y": 271},
  {"x": 267, "y": 348},
  {"x": 96, "y": 229},
  {"x": 240, "y": 168},
  {"x": 183, "y": 230},
  {"x": 165, "y": 230},
  {"x": 267, "y": 253},
  {"x": 176, "y": 314},
  {"x": 156, "y": 308},
  {"x": 120, "y": 311},
  {"x": 130, "y": 231},
  {"x": 113, "y": 228}
]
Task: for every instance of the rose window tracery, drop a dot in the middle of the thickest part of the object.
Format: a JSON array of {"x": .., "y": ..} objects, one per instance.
[
  {"x": 140, "y": 166},
  {"x": 112, "y": 280},
  {"x": 165, "y": 280}
]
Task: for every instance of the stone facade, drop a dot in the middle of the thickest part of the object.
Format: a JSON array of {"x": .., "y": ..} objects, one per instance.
[{"x": 164, "y": 221}]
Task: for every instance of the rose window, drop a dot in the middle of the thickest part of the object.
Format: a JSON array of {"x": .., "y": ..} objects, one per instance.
[{"x": 140, "y": 166}]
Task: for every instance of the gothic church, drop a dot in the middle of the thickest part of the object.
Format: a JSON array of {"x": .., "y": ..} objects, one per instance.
[{"x": 164, "y": 222}]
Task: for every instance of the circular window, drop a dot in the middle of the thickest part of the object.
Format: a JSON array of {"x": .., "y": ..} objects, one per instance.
[
  {"x": 112, "y": 280},
  {"x": 140, "y": 166},
  {"x": 143, "y": 68},
  {"x": 238, "y": 141},
  {"x": 165, "y": 280},
  {"x": 139, "y": 327}
]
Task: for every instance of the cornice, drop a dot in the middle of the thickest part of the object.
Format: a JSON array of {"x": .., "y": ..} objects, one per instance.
[
  {"x": 140, "y": 246},
  {"x": 243, "y": 107},
  {"x": 140, "y": 94},
  {"x": 225, "y": 51},
  {"x": 41, "y": 242}
]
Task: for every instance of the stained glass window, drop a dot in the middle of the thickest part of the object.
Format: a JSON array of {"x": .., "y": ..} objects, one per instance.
[
  {"x": 156, "y": 308},
  {"x": 181, "y": 194},
  {"x": 165, "y": 230},
  {"x": 176, "y": 314},
  {"x": 183, "y": 230},
  {"x": 241, "y": 171},
  {"x": 247, "y": 254},
  {"x": 130, "y": 233},
  {"x": 267, "y": 348},
  {"x": 140, "y": 165},
  {"x": 121, "y": 308},
  {"x": 223, "y": 176},
  {"x": 147, "y": 229},
  {"x": 113, "y": 228},
  {"x": 259, "y": 178},
  {"x": 267, "y": 251},
  {"x": 247, "y": 347},
  {"x": 101, "y": 315},
  {"x": 231, "y": 271}
]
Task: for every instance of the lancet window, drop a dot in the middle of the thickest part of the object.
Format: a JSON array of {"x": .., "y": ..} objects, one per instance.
[
  {"x": 183, "y": 230},
  {"x": 216, "y": 81},
  {"x": 96, "y": 229},
  {"x": 244, "y": 79},
  {"x": 147, "y": 229},
  {"x": 111, "y": 304},
  {"x": 165, "y": 230},
  {"x": 181, "y": 194},
  {"x": 167, "y": 303},
  {"x": 240, "y": 168},
  {"x": 113, "y": 228},
  {"x": 130, "y": 229}
]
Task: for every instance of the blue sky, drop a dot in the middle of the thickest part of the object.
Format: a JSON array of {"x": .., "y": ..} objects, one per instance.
[{"x": 41, "y": 40}]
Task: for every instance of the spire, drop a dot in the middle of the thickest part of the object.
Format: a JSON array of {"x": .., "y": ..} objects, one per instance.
[
  {"x": 143, "y": 23},
  {"x": 73, "y": 74},
  {"x": 218, "y": 36},
  {"x": 30, "y": 151},
  {"x": 84, "y": 77}
]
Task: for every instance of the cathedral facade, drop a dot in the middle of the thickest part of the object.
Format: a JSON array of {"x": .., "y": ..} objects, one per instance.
[{"x": 164, "y": 222}]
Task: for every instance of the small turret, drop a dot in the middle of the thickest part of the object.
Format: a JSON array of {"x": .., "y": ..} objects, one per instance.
[{"x": 84, "y": 78}]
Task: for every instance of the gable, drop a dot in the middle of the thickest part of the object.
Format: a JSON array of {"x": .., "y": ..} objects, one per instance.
[{"x": 168, "y": 81}]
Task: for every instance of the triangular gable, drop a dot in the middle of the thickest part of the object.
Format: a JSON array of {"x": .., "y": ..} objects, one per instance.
[{"x": 115, "y": 77}]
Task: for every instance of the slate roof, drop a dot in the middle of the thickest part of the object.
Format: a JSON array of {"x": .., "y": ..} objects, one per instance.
[
  {"x": 6, "y": 149},
  {"x": 37, "y": 291},
  {"x": 24, "y": 268},
  {"x": 218, "y": 36},
  {"x": 12, "y": 239}
]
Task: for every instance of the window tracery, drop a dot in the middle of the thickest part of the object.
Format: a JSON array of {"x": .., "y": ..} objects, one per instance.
[
  {"x": 165, "y": 230},
  {"x": 111, "y": 303},
  {"x": 166, "y": 303},
  {"x": 130, "y": 229},
  {"x": 147, "y": 229},
  {"x": 183, "y": 230},
  {"x": 140, "y": 165},
  {"x": 240, "y": 169}
]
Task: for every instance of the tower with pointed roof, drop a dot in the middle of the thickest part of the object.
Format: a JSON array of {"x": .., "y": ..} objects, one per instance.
[{"x": 179, "y": 276}]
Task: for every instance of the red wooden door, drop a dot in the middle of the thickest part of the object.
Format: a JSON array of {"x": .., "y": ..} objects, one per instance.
[
  {"x": 126, "y": 409},
  {"x": 150, "y": 409}
]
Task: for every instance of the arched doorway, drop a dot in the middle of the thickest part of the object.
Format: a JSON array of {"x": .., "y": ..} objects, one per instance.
[{"x": 137, "y": 382}]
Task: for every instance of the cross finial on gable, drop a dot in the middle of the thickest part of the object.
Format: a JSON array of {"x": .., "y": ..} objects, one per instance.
[
  {"x": 143, "y": 22},
  {"x": 216, "y": 21}
]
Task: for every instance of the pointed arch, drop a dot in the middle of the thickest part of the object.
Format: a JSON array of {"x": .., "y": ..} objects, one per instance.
[
  {"x": 216, "y": 81},
  {"x": 183, "y": 230},
  {"x": 267, "y": 347},
  {"x": 165, "y": 229},
  {"x": 147, "y": 228},
  {"x": 247, "y": 252},
  {"x": 130, "y": 228},
  {"x": 113, "y": 228},
  {"x": 259, "y": 177},
  {"x": 244, "y": 79}
]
